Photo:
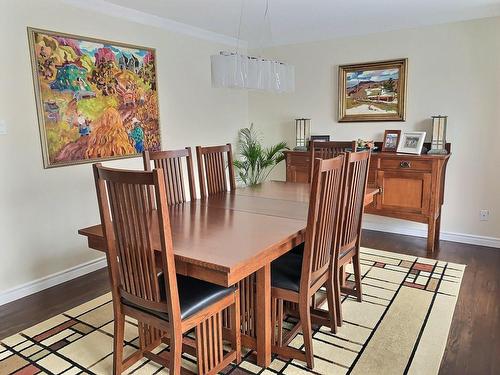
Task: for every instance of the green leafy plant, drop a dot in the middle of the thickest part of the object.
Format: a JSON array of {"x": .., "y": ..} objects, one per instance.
[{"x": 255, "y": 161}]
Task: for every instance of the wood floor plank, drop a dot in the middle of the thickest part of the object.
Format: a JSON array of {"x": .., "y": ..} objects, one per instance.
[{"x": 473, "y": 344}]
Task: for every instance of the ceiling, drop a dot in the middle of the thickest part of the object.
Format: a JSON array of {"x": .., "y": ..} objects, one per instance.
[{"x": 295, "y": 21}]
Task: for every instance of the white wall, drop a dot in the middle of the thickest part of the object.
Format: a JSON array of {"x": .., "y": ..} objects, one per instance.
[
  {"x": 454, "y": 69},
  {"x": 41, "y": 210}
]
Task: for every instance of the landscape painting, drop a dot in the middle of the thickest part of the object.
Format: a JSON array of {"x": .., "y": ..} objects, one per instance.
[
  {"x": 96, "y": 99},
  {"x": 373, "y": 91}
]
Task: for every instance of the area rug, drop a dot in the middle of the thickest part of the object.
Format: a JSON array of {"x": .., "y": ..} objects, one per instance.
[{"x": 401, "y": 327}]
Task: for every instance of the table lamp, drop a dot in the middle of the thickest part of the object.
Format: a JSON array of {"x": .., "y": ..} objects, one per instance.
[
  {"x": 438, "y": 143},
  {"x": 302, "y": 133}
]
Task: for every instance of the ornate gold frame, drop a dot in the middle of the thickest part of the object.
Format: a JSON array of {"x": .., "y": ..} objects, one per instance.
[
  {"x": 38, "y": 98},
  {"x": 401, "y": 64}
]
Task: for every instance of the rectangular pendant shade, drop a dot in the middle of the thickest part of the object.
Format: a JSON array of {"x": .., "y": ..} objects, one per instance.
[{"x": 231, "y": 70}]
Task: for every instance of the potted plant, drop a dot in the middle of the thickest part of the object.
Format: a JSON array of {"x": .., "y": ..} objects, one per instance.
[{"x": 255, "y": 161}]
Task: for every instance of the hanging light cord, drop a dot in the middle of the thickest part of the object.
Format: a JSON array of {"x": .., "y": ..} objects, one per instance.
[
  {"x": 266, "y": 16},
  {"x": 239, "y": 27}
]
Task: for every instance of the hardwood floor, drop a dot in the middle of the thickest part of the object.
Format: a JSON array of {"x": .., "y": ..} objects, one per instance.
[{"x": 473, "y": 344}]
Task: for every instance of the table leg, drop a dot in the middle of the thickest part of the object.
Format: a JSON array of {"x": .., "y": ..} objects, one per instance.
[{"x": 263, "y": 310}]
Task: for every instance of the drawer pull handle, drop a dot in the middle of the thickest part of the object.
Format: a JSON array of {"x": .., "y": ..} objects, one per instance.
[{"x": 405, "y": 164}]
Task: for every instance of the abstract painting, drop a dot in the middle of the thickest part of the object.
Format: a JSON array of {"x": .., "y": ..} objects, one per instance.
[
  {"x": 96, "y": 99},
  {"x": 373, "y": 91}
]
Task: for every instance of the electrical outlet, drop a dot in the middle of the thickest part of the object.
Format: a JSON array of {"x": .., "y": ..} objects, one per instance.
[
  {"x": 484, "y": 215},
  {"x": 3, "y": 127}
]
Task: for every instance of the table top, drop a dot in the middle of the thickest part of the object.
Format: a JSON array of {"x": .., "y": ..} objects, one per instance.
[{"x": 234, "y": 233}]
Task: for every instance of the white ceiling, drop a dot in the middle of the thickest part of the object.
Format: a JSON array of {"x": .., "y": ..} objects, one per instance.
[{"x": 293, "y": 21}]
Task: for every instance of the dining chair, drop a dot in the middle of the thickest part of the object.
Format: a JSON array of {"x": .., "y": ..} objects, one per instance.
[
  {"x": 212, "y": 174},
  {"x": 296, "y": 278},
  {"x": 171, "y": 163},
  {"x": 144, "y": 283},
  {"x": 348, "y": 243},
  {"x": 328, "y": 150}
]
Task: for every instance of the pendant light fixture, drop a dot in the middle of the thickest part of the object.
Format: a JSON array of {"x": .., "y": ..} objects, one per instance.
[{"x": 235, "y": 70}]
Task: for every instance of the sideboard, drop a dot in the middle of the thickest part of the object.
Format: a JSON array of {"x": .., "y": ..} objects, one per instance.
[{"x": 411, "y": 186}]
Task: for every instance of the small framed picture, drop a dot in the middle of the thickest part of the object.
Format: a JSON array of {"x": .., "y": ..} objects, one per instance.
[
  {"x": 411, "y": 143},
  {"x": 391, "y": 140},
  {"x": 320, "y": 138}
]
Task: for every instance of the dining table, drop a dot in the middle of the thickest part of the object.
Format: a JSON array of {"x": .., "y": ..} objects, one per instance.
[{"x": 231, "y": 238}]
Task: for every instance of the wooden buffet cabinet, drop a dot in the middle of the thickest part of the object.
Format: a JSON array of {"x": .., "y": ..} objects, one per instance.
[{"x": 411, "y": 186}]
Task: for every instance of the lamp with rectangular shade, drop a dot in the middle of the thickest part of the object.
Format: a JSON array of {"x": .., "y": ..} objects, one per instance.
[
  {"x": 302, "y": 133},
  {"x": 438, "y": 143}
]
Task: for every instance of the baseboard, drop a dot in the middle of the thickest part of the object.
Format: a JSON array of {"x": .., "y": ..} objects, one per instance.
[
  {"x": 51, "y": 280},
  {"x": 446, "y": 236}
]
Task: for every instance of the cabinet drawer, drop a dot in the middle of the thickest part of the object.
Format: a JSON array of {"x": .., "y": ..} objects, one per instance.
[{"x": 409, "y": 164}]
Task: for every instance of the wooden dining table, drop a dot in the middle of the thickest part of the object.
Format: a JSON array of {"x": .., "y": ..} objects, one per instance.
[{"x": 232, "y": 238}]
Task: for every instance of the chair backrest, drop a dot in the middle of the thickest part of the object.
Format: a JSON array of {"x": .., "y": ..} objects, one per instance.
[
  {"x": 129, "y": 222},
  {"x": 328, "y": 150},
  {"x": 171, "y": 163},
  {"x": 355, "y": 180},
  {"x": 322, "y": 219},
  {"x": 212, "y": 162}
]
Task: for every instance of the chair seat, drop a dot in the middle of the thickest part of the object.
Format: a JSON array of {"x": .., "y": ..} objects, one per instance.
[
  {"x": 286, "y": 271},
  {"x": 299, "y": 249},
  {"x": 194, "y": 296}
]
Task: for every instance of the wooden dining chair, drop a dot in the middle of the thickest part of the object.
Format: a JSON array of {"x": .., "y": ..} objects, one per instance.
[
  {"x": 328, "y": 150},
  {"x": 171, "y": 163},
  {"x": 144, "y": 283},
  {"x": 348, "y": 243},
  {"x": 296, "y": 278},
  {"x": 212, "y": 162}
]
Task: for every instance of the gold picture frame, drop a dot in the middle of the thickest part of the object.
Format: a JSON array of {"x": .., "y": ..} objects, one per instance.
[
  {"x": 374, "y": 91},
  {"x": 83, "y": 116}
]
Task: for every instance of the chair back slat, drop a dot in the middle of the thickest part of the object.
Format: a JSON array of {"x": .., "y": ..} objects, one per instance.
[
  {"x": 171, "y": 161},
  {"x": 212, "y": 164},
  {"x": 128, "y": 218},
  {"x": 328, "y": 150},
  {"x": 355, "y": 181},
  {"x": 322, "y": 221}
]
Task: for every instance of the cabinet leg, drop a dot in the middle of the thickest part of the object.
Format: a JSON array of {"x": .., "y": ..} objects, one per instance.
[
  {"x": 431, "y": 235},
  {"x": 437, "y": 231}
]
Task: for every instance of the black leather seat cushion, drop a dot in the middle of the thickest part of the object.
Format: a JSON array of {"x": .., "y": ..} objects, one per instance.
[
  {"x": 299, "y": 249},
  {"x": 286, "y": 270},
  {"x": 194, "y": 295}
]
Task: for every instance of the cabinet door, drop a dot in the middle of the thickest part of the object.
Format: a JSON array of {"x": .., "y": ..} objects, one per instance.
[
  {"x": 404, "y": 191},
  {"x": 298, "y": 167},
  {"x": 297, "y": 173}
]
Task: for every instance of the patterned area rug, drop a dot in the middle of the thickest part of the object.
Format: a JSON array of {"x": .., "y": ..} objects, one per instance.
[{"x": 401, "y": 327}]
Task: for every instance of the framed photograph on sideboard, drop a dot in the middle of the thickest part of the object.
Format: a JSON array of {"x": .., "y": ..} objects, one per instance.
[
  {"x": 391, "y": 140},
  {"x": 411, "y": 143}
]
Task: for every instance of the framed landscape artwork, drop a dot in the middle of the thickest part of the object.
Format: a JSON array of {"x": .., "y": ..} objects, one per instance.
[
  {"x": 96, "y": 99},
  {"x": 373, "y": 91}
]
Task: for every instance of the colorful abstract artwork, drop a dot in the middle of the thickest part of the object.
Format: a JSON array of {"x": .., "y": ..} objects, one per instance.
[
  {"x": 96, "y": 99},
  {"x": 373, "y": 91}
]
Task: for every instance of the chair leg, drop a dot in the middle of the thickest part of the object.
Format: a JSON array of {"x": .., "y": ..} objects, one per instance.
[
  {"x": 357, "y": 277},
  {"x": 175, "y": 362},
  {"x": 236, "y": 328},
  {"x": 342, "y": 276},
  {"x": 332, "y": 304},
  {"x": 280, "y": 322},
  {"x": 338, "y": 296},
  {"x": 118, "y": 343},
  {"x": 305, "y": 320}
]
